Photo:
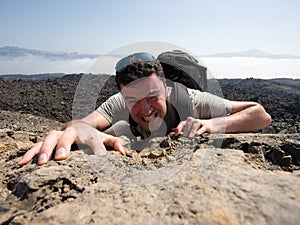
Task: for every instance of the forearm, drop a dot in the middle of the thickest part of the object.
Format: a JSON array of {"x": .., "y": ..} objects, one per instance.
[
  {"x": 95, "y": 119},
  {"x": 248, "y": 120}
]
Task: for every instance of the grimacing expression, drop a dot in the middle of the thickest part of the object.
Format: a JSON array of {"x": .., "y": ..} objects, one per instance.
[{"x": 146, "y": 100}]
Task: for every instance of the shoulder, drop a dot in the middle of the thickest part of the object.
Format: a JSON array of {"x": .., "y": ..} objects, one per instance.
[
  {"x": 116, "y": 99},
  {"x": 115, "y": 102},
  {"x": 114, "y": 108}
]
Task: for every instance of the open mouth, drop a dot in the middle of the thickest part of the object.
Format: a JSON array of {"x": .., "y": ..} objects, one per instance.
[{"x": 147, "y": 119}]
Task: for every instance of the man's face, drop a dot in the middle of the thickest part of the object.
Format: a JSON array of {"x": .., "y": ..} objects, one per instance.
[{"x": 146, "y": 101}]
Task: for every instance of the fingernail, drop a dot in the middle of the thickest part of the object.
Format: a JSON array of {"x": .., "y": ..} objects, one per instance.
[
  {"x": 122, "y": 151},
  {"x": 42, "y": 158},
  {"x": 191, "y": 134},
  {"x": 20, "y": 162},
  {"x": 60, "y": 153}
]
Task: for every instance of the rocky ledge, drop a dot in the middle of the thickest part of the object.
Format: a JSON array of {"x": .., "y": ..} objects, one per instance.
[{"x": 212, "y": 179}]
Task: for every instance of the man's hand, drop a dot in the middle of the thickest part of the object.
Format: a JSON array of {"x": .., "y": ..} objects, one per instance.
[
  {"x": 79, "y": 132},
  {"x": 192, "y": 127}
]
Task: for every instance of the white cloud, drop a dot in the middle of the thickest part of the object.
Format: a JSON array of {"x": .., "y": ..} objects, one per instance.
[
  {"x": 35, "y": 65},
  {"x": 245, "y": 67}
]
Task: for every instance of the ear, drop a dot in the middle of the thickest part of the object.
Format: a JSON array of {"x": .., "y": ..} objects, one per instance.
[{"x": 121, "y": 86}]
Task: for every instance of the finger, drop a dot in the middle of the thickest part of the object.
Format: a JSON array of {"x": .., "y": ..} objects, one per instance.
[
  {"x": 98, "y": 147},
  {"x": 30, "y": 154},
  {"x": 178, "y": 129},
  {"x": 188, "y": 125},
  {"x": 114, "y": 142},
  {"x": 119, "y": 147},
  {"x": 48, "y": 147},
  {"x": 194, "y": 128},
  {"x": 202, "y": 130},
  {"x": 64, "y": 144}
]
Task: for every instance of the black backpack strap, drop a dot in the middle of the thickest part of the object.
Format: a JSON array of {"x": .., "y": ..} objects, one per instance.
[{"x": 181, "y": 101}]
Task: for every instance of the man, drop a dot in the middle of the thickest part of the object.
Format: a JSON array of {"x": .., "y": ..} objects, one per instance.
[{"x": 145, "y": 102}]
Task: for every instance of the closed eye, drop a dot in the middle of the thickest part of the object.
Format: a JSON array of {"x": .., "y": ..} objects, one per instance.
[{"x": 153, "y": 98}]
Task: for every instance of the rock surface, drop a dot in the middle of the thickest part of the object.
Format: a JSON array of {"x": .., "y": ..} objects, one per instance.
[{"x": 212, "y": 179}]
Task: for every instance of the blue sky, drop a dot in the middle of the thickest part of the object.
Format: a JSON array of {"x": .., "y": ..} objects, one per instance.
[{"x": 202, "y": 27}]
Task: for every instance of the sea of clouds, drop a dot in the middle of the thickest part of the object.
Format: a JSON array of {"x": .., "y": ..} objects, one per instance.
[
  {"x": 231, "y": 67},
  {"x": 246, "y": 67}
]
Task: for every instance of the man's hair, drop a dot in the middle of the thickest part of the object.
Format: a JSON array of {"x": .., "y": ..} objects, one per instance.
[{"x": 138, "y": 70}]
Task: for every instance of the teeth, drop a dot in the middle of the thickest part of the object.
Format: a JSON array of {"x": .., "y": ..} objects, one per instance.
[{"x": 148, "y": 118}]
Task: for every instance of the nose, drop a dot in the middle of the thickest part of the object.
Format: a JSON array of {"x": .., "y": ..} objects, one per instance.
[{"x": 146, "y": 107}]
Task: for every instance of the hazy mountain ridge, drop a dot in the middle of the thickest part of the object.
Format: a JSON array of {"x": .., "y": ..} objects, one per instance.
[
  {"x": 252, "y": 53},
  {"x": 15, "y": 52},
  {"x": 250, "y": 63},
  {"x": 48, "y": 76},
  {"x": 44, "y": 76}
]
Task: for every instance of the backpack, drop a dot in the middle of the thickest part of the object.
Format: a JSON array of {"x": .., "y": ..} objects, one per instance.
[
  {"x": 182, "y": 71},
  {"x": 183, "y": 68}
]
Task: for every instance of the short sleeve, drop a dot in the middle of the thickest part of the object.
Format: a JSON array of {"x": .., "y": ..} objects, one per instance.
[
  {"x": 114, "y": 109},
  {"x": 208, "y": 105}
]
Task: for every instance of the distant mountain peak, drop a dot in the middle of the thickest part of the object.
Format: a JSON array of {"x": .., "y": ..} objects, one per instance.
[{"x": 256, "y": 53}]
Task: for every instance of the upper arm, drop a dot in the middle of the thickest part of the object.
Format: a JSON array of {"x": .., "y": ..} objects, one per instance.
[{"x": 112, "y": 110}]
